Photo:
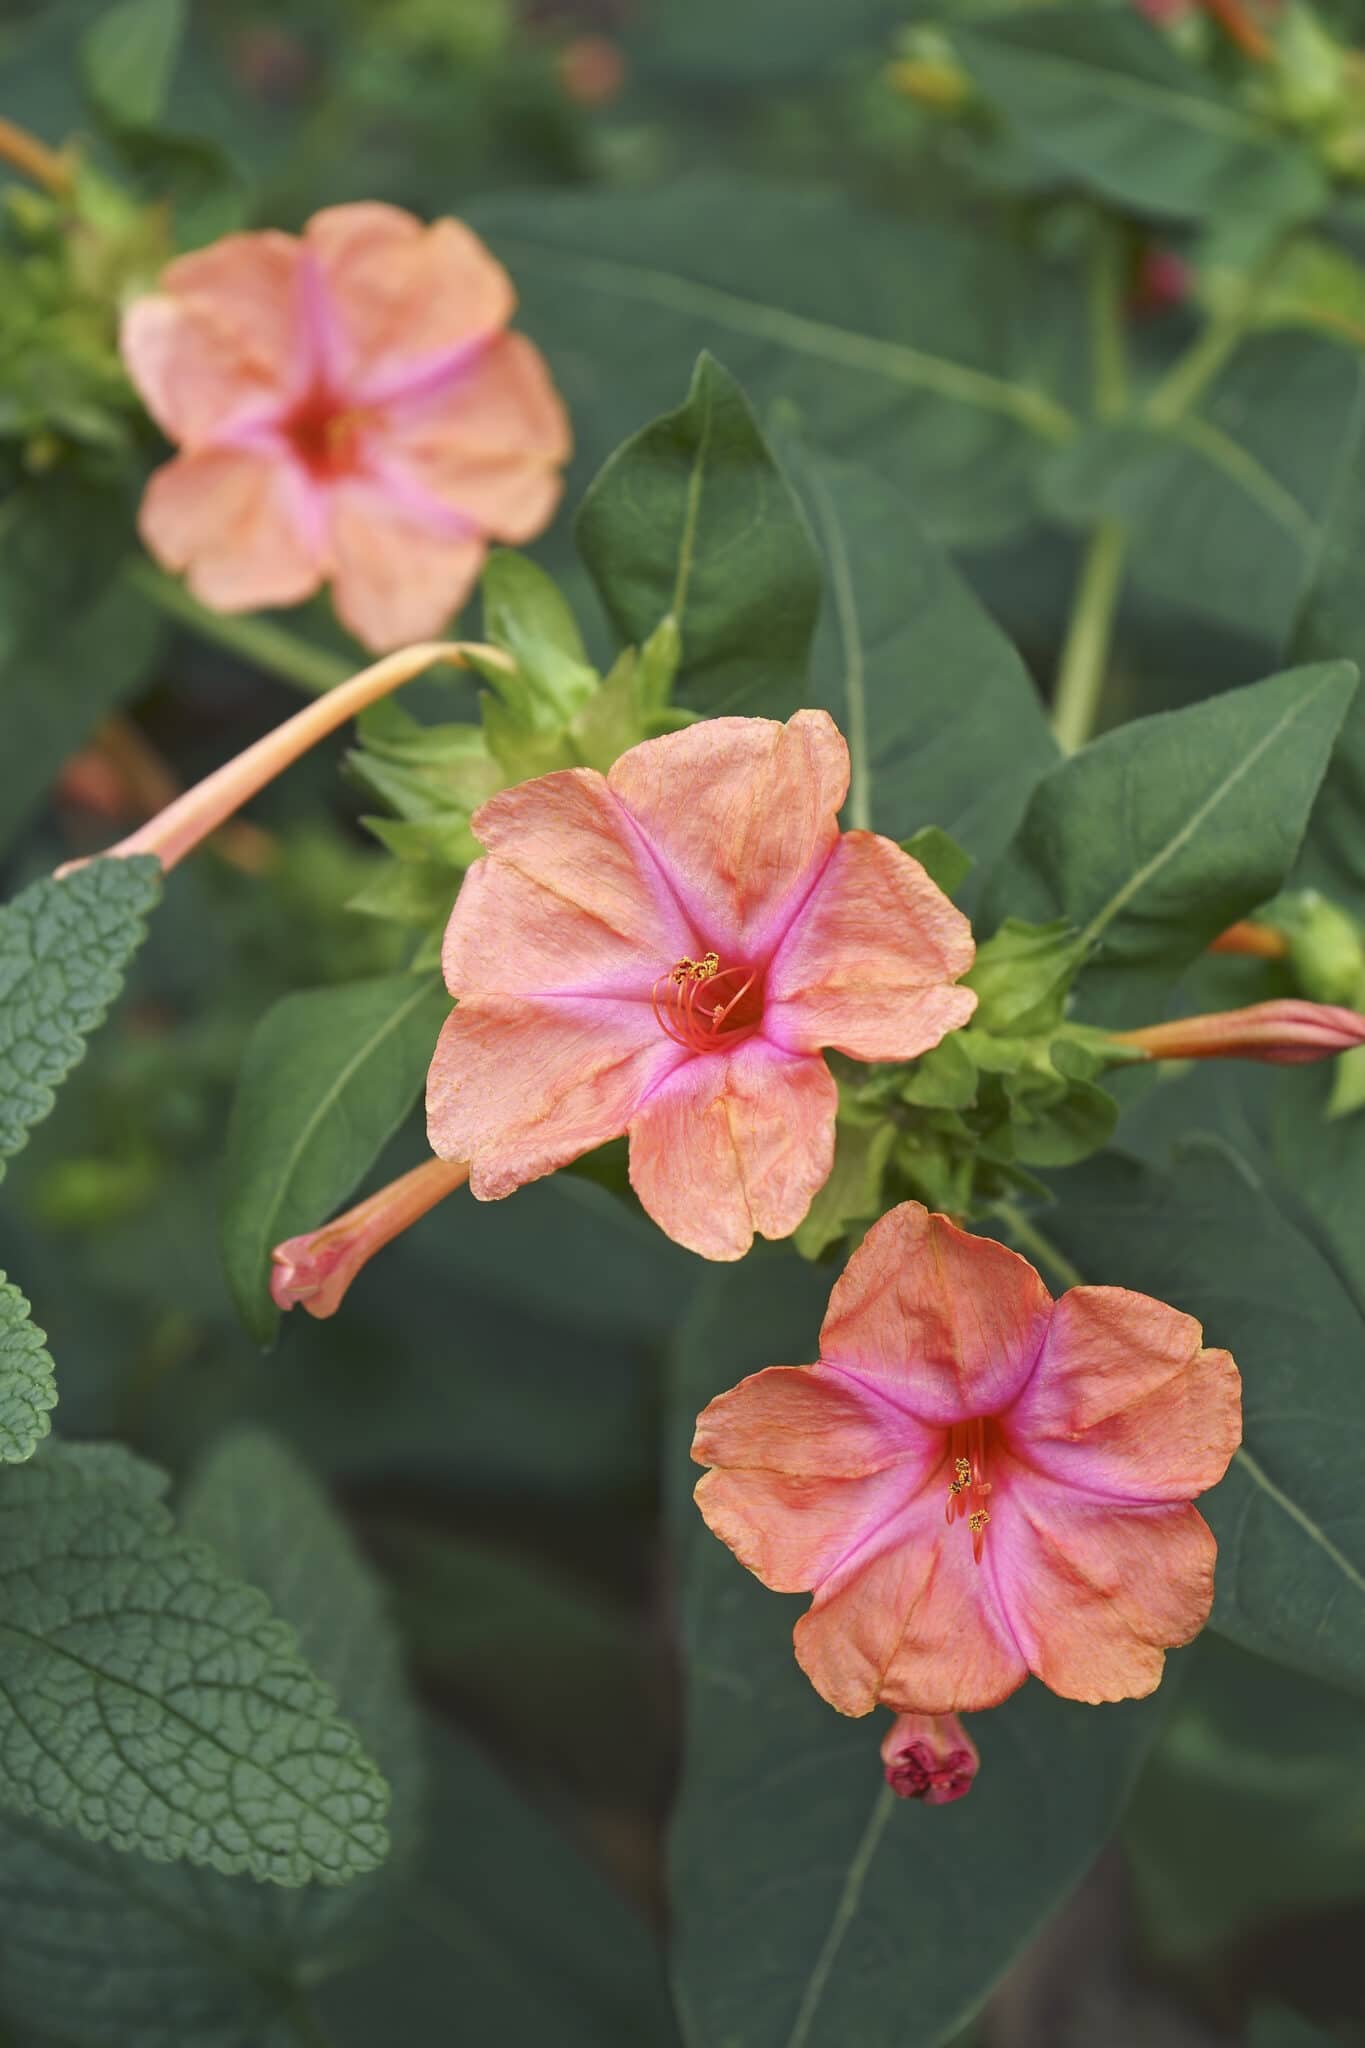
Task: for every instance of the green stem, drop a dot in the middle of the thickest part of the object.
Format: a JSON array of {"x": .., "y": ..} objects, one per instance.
[
  {"x": 1108, "y": 341},
  {"x": 1188, "y": 379},
  {"x": 272, "y": 648},
  {"x": 1085, "y": 653},
  {"x": 1032, "y": 1240}
]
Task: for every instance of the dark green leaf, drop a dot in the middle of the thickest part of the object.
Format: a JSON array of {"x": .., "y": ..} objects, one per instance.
[
  {"x": 1207, "y": 1237},
  {"x": 1274, "y": 2026},
  {"x": 693, "y": 520},
  {"x": 128, "y": 57},
  {"x": 28, "y": 1387},
  {"x": 866, "y": 1942},
  {"x": 148, "y": 1700},
  {"x": 1103, "y": 94},
  {"x": 764, "y": 42},
  {"x": 510, "y": 1930},
  {"x": 64, "y": 949},
  {"x": 326, "y": 1079},
  {"x": 1156, "y": 837},
  {"x": 930, "y": 350},
  {"x": 943, "y": 723}
]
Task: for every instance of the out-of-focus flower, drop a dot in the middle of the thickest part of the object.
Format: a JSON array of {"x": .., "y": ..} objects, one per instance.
[
  {"x": 350, "y": 408},
  {"x": 592, "y": 70},
  {"x": 929, "y": 1757},
  {"x": 1069, "y": 1437},
  {"x": 665, "y": 951},
  {"x": 1163, "y": 279},
  {"x": 1247, "y": 936},
  {"x": 315, "y": 1270},
  {"x": 1286, "y": 1032}
]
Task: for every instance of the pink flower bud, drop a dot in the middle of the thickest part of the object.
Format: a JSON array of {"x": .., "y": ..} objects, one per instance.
[
  {"x": 1286, "y": 1032},
  {"x": 929, "y": 1757},
  {"x": 316, "y": 1269}
]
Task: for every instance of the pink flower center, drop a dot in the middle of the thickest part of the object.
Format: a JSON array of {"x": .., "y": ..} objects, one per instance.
[
  {"x": 706, "y": 1007},
  {"x": 969, "y": 1485},
  {"x": 325, "y": 433}
]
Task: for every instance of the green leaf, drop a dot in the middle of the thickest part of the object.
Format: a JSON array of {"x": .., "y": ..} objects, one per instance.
[
  {"x": 1208, "y": 1238},
  {"x": 764, "y": 42},
  {"x": 1154, "y": 838},
  {"x": 693, "y": 520},
  {"x": 1103, "y": 94},
  {"x": 929, "y": 349},
  {"x": 128, "y": 57},
  {"x": 327, "y": 1077},
  {"x": 510, "y": 1930},
  {"x": 148, "y": 1700},
  {"x": 64, "y": 949},
  {"x": 522, "y": 607},
  {"x": 939, "y": 854},
  {"x": 28, "y": 1385},
  {"x": 943, "y": 723},
  {"x": 852, "y": 1194},
  {"x": 866, "y": 1942},
  {"x": 1252, "y": 1808},
  {"x": 1022, "y": 976},
  {"x": 1275, "y": 2026}
]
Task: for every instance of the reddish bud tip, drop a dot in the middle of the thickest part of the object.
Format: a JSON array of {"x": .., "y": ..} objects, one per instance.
[
  {"x": 315, "y": 1270},
  {"x": 929, "y": 1757},
  {"x": 1286, "y": 1032}
]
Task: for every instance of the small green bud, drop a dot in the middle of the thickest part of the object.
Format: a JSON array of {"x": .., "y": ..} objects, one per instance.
[{"x": 1325, "y": 950}]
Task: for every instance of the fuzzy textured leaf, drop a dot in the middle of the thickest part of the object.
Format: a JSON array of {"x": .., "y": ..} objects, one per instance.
[
  {"x": 326, "y": 1079},
  {"x": 64, "y": 949},
  {"x": 693, "y": 518},
  {"x": 795, "y": 1793},
  {"x": 28, "y": 1386},
  {"x": 148, "y": 1700},
  {"x": 1154, "y": 838}
]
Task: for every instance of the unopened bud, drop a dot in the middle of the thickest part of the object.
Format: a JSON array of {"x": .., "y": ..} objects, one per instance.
[
  {"x": 929, "y": 1757},
  {"x": 1287, "y": 1033},
  {"x": 315, "y": 1270}
]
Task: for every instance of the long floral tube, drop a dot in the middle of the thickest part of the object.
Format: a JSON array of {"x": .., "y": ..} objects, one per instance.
[
  {"x": 184, "y": 824},
  {"x": 1258, "y": 941},
  {"x": 314, "y": 1270},
  {"x": 1287, "y": 1033}
]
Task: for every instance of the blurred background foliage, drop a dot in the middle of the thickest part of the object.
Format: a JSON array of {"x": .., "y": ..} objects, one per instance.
[{"x": 831, "y": 196}]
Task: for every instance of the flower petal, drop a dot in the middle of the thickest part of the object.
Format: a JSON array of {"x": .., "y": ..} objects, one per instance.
[
  {"x": 867, "y": 962},
  {"x": 221, "y": 341},
  {"x": 791, "y": 1531},
  {"x": 395, "y": 579},
  {"x": 407, "y": 301},
  {"x": 810, "y": 1423},
  {"x": 1125, "y": 1403},
  {"x": 519, "y": 1088},
  {"x": 949, "y": 1323},
  {"x": 734, "y": 1143},
  {"x": 237, "y": 522},
  {"x": 502, "y": 406},
  {"x": 911, "y": 1620},
  {"x": 1096, "y": 1594},
  {"x": 742, "y": 813},
  {"x": 569, "y": 898}
]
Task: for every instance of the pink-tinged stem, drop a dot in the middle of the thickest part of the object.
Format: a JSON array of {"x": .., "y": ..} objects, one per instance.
[
  {"x": 315, "y": 1270},
  {"x": 1286, "y": 1032},
  {"x": 177, "y": 830},
  {"x": 1261, "y": 941}
]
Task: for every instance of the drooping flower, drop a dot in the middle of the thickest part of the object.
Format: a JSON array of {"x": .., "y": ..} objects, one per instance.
[
  {"x": 929, "y": 1757},
  {"x": 976, "y": 1481},
  {"x": 349, "y": 408},
  {"x": 1287, "y": 1032},
  {"x": 315, "y": 1269},
  {"x": 665, "y": 951}
]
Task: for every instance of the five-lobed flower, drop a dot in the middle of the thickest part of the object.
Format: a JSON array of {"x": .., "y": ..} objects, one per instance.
[
  {"x": 349, "y": 408},
  {"x": 976, "y": 1481},
  {"x": 666, "y": 951}
]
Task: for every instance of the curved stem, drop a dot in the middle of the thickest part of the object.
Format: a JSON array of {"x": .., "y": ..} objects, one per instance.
[{"x": 47, "y": 167}]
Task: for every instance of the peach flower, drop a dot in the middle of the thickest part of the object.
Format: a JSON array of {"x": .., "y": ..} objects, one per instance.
[
  {"x": 664, "y": 951},
  {"x": 976, "y": 1481},
  {"x": 351, "y": 409}
]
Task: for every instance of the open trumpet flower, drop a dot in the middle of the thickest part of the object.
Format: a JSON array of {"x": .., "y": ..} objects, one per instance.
[{"x": 665, "y": 951}]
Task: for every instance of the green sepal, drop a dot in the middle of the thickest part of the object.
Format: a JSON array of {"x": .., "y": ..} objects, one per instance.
[
  {"x": 943, "y": 1078},
  {"x": 938, "y": 853},
  {"x": 1023, "y": 975},
  {"x": 1348, "y": 1084}
]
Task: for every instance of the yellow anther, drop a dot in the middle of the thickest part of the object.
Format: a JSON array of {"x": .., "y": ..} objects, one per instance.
[{"x": 977, "y": 1520}]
